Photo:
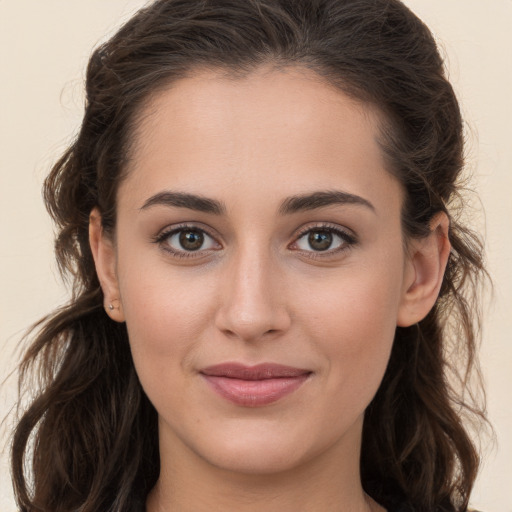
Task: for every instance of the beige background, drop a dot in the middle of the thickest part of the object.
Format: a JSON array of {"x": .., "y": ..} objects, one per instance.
[{"x": 44, "y": 45}]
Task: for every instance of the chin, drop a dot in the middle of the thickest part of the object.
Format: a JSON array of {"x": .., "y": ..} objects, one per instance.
[
  {"x": 251, "y": 447},
  {"x": 256, "y": 458},
  {"x": 265, "y": 447}
]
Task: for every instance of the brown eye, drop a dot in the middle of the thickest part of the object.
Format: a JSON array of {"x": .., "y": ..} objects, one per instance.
[
  {"x": 320, "y": 240},
  {"x": 183, "y": 241},
  {"x": 191, "y": 240},
  {"x": 324, "y": 239}
]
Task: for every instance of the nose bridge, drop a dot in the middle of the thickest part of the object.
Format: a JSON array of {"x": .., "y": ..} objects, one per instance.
[{"x": 252, "y": 304}]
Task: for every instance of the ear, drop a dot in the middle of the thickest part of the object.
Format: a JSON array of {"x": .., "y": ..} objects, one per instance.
[
  {"x": 424, "y": 272},
  {"x": 104, "y": 254}
]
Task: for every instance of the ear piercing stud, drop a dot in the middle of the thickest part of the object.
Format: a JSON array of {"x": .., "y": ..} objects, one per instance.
[{"x": 111, "y": 306}]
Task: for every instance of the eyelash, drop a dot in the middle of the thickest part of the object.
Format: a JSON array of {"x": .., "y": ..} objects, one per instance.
[
  {"x": 166, "y": 234},
  {"x": 348, "y": 239}
]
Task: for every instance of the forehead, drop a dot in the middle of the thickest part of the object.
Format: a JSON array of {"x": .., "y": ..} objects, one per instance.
[{"x": 285, "y": 127}]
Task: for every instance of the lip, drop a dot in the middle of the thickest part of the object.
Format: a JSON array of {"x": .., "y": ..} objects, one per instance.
[{"x": 254, "y": 386}]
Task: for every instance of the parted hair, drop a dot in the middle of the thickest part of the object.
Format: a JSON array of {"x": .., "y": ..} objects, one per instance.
[{"x": 87, "y": 440}]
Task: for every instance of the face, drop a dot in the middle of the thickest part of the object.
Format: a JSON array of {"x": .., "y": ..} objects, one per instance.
[{"x": 260, "y": 267}]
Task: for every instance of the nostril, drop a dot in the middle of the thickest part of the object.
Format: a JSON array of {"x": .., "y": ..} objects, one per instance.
[{"x": 251, "y": 315}]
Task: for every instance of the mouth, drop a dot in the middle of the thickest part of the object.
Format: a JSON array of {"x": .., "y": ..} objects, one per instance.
[{"x": 254, "y": 386}]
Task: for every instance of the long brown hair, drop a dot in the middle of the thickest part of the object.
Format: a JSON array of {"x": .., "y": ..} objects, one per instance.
[{"x": 88, "y": 439}]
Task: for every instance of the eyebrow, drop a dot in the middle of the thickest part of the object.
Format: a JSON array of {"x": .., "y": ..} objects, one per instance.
[
  {"x": 184, "y": 200},
  {"x": 321, "y": 199},
  {"x": 289, "y": 206}
]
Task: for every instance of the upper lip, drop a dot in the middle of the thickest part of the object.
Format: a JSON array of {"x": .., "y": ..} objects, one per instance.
[{"x": 258, "y": 372}]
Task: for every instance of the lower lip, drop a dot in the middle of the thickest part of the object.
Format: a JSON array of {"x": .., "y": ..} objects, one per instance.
[{"x": 254, "y": 393}]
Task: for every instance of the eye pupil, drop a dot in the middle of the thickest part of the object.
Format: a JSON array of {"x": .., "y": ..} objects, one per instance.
[
  {"x": 320, "y": 240},
  {"x": 191, "y": 240}
]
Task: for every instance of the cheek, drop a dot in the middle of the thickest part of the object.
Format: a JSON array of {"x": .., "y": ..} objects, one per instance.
[
  {"x": 166, "y": 312},
  {"x": 353, "y": 323},
  {"x": 165, "y": 319}
]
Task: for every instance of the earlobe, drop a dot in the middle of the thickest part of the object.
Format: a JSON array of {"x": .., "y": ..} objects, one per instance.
[
  {"x": 427, "y": 260},
  {"x": 104, "y": 255}
]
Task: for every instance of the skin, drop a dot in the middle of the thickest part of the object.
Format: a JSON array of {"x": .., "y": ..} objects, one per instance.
[{"x": 257, "y": 291}]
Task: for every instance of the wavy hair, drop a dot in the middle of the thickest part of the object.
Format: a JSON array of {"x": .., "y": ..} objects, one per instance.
[{"x": 88, "y": 439}]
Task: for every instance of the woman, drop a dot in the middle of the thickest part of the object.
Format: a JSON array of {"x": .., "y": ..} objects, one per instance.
[{"x": 256, "y": 217}]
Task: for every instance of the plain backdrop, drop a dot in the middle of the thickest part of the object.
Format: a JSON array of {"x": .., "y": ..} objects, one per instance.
[{"x": 44, "y": 46}]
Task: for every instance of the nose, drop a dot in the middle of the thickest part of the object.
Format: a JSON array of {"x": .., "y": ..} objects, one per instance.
[{"x": 252, "y": 304}]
